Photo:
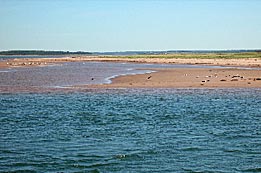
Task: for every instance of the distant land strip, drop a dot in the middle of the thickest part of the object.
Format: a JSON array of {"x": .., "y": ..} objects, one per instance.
[
  {"x": 125, "y": 53},
  {"x": 42, "y": 52}
]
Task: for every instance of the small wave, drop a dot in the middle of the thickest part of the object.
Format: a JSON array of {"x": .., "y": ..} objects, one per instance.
[
  {"x": 232, "y": 151},
  {"x": 251, "y": 170},
  {"x": 191, "y": 149},
  {"x": 95, "y": 165},
  {"x": 94, "y": 171},
  {"x": 108, "y": 79},
  {"x": 202, "y": 171},
  {"x": 22, "y": 170},
  {"x": 127, "y": 156}
]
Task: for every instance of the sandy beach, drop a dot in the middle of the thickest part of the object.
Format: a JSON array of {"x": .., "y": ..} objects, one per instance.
[
  {"x": 242, "y": 62},
  {"x": 189, "y": 78},
  {"x": 249, "y": 77}
]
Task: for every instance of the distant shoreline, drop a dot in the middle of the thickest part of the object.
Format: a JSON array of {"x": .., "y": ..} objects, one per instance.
[
  {"x": 247, "y": 77},
  {"x": 123, "y": 53},
  {"x": 40, "y": 52},
  {"x": 250, "y": 59}
]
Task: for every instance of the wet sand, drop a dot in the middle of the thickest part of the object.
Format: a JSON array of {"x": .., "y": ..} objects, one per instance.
[
  {"x": 167, "y": 78},
  {"x": 189, "y": 78}
]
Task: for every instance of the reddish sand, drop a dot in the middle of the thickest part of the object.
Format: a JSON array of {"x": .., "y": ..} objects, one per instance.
[
  {"x": 167, "y": 78},
  {"x": 189, "y": 78},
  {"x": 244, "y": 62}
]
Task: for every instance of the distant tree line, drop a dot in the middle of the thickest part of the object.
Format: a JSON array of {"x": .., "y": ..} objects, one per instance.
[
  {"x": 175, "y": 52},
  {"x": 42, "y": 52}
]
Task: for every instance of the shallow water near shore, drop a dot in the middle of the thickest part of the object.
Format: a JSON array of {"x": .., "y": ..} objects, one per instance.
[
  {"x": 73, "y": 73},
  {"x": 134, "y": 130},
  {"x": 5, "y": 57}
]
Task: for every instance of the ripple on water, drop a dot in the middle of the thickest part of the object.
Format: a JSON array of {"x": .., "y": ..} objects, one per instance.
[{"x": 138, "y": 130}]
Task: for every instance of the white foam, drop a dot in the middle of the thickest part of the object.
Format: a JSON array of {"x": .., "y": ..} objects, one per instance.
[
  {"x": 108, "y": 80},
  {"x": 60, "y": 87}
]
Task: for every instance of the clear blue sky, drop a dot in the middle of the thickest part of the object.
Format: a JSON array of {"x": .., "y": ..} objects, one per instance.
[{"x": 121, "y": 25}]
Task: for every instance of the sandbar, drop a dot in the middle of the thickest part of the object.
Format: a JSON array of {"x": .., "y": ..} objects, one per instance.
[
  {"x": 233, "y": 77},
  {"x": 189, "y": 78},
  {"x": 248, "y": 60}
]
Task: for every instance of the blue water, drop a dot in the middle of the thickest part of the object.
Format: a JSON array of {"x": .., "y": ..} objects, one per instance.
[
  {"x": 4, "y": 57},
  {"x": 137, "y": 130}
]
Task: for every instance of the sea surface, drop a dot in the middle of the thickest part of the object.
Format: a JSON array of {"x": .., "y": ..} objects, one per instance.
[
  {"x": 4, "y": 57},
  {"x": 131, "y": 130}
]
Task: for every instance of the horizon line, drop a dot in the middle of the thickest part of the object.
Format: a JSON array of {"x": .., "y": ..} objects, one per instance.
[{"x": 236, "y": 49}]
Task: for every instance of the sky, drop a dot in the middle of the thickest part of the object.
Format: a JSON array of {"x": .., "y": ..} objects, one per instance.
[{"x": 129, "y": 25}]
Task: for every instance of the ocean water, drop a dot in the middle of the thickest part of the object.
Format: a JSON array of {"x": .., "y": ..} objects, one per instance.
[
  {"x": 135, "y": 130},
  {"x": 4, "y": 57}
]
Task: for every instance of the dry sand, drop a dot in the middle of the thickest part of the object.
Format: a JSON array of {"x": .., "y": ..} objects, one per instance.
[
  {"x": 243, "y": 62},
  {"x": 167, "y": 78},
  {"x": 189, "y": 78}
]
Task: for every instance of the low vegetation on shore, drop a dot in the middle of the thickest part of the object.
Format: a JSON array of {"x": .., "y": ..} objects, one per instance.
[
  {"x": 245, "y": 55},
  {"x": 241, "y": 54},
  {"x": 243, "y": 59}
]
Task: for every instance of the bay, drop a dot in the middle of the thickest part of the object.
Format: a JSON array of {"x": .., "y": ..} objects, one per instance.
[{"x": 134, "y": 130}]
